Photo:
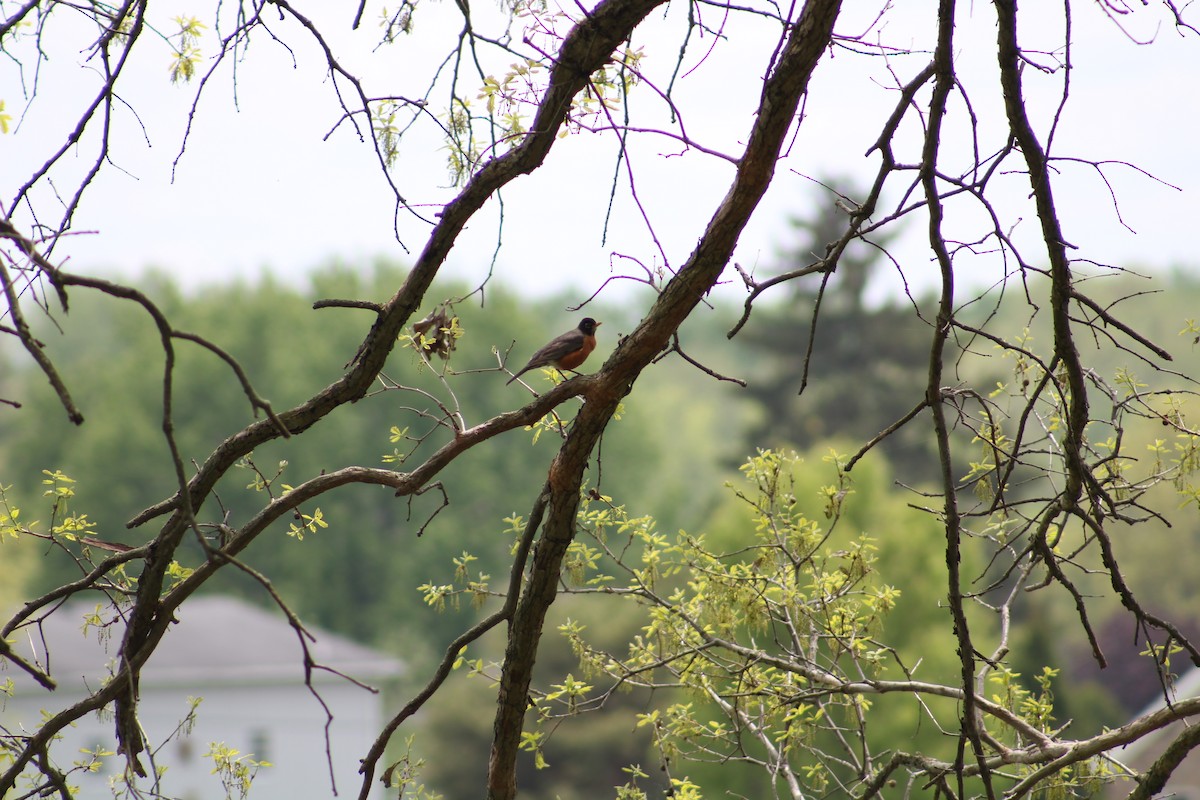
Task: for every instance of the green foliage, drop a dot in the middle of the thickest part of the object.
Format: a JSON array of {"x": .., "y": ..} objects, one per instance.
[
  {"x": 591, "y": 746},
  {"x": 237, "y": 770},
  {"x": 67, "y": 532},
  {"x": 358, "y": 578},
  {"x": 508, "y": 95},
  {"x": 308, "y": 522},
  {"x": 186, "y": 44},
  {"x": 510, "y": 100},
  {"x": 403, "y": 776},
  {"x": 714, "y": 590},
  {"x": 1146, "y": 452},
  {"x": 387, "y": 131},
  {"x": 631, "y": 790},
  {"x": 10, "y": 529},
  {"x": 395, "y": 22},
  {"x": 63, "y": 522},
  {"x": 1036, "y": 706},
  {"x": 463, "y": 147},
  {"x": 725, "y": 613},
  {"x": 789, "y": 629},
  {"x": 768, "y": 640}
]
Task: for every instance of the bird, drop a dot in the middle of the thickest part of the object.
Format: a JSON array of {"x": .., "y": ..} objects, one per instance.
[{"x": 565, "y": 352}]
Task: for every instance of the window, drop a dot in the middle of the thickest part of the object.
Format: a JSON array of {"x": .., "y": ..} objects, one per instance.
[{"x": 260, "y": 745}]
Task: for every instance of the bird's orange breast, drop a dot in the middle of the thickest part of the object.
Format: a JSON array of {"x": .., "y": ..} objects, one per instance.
[{"x": 576, "y": 357}]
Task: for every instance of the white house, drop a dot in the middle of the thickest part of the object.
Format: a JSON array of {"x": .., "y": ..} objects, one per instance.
[{"x": 247, "y": 665}]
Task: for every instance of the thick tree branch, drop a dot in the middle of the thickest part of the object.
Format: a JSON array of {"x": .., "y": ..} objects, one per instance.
[
  {"x": 1062, "y": 283},
  {"x": 782, "y": 90},
  {"x": 586, "y": 49},
  {"x": 1046, "y": 492},
  {"x": 1155, "y": 778}
]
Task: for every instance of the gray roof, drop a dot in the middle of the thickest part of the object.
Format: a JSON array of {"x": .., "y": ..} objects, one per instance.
[{"x": 218, "y": 640}]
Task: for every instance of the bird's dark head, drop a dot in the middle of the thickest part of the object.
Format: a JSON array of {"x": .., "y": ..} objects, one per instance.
[{"x": 589, "y": 325}]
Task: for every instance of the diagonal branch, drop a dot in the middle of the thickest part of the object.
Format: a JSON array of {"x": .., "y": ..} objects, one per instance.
[
  {"x": 585, "y": 50},
  {"x": 779, "y": 102},
  {"x": 1062, "y": 282}
]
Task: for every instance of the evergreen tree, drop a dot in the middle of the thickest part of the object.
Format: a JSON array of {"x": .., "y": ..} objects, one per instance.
[{"x": 833, "y": 362}]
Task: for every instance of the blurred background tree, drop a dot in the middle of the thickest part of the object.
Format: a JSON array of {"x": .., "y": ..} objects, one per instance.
[
  {"x": 361, "y": 581},
  {"x": 839, "y": 356}
]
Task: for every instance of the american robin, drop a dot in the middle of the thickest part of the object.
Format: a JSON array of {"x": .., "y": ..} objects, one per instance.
[{"x": 565, "y": 352}]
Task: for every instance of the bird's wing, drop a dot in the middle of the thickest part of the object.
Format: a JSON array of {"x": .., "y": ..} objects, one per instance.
[{"x": 569, "y": 342}]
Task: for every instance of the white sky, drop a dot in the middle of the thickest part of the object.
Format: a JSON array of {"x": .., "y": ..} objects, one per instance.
[{"x": 259, "y": 187}]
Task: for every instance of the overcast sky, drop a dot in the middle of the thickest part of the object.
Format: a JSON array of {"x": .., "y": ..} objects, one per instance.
[{"x": 261, "y": 187}]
